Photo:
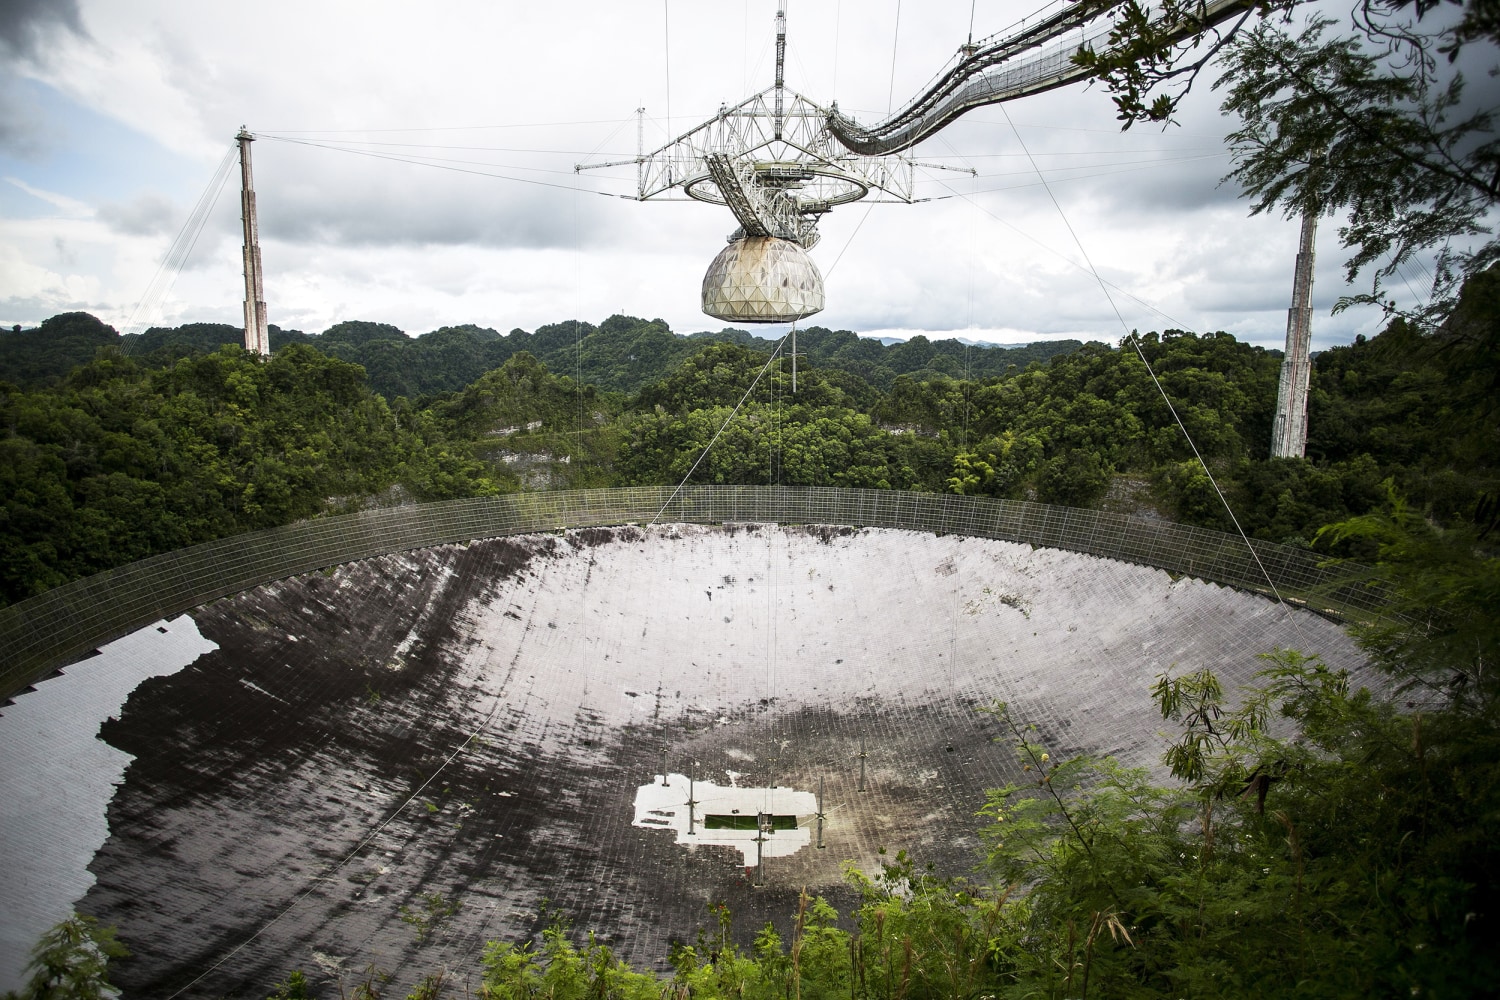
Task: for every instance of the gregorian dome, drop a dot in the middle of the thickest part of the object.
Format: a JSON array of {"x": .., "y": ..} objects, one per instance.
[{"x": 762, "y": 279}]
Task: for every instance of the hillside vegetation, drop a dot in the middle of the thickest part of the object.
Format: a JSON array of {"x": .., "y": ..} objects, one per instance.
[
  {"x": 621, "y": 354},
  {"x": 181, "y": 439},
  {"x": 1353, "y": 857}
]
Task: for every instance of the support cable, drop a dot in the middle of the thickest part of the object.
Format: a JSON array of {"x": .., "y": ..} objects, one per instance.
[
  {"x": 666, "y": 61},
  {"x": 860, "y": 225},
  {"x": 584, "y": 448},
  {"x": 775, "y": 352},
  {"x": 838, "y": 20},
  {"x": 439, "y": 128},
  {"x": 468, "y": 148},
  {"x": 441, "y": 166},
  {"x": 1176, "y": 323},
  {"x": 890, "y": 97},
  {"x": 952, "y": 670},
  {"x": 971, "y": 255},
  {"x": 578, "y": 332},
  {"x": 1135, "y": 343},
  {"x": 182, "y": 246},
  {"x": 770, "y": 676}
]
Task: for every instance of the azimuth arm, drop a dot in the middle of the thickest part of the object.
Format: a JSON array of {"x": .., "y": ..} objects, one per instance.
[{"x": 1002, "y": 70}]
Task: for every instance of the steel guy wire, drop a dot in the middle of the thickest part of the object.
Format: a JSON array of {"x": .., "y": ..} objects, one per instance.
[
  {"x": 182, "y": 246},
  {"x": 1135, "y": 342}
]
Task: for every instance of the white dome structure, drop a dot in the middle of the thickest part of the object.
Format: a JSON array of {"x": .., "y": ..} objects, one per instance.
[{"x": 762, "y": 279}]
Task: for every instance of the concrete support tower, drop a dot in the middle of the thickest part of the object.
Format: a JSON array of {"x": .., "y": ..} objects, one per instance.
[
  {"x": 257, "y": 332},
  {"x": 1289, "y": 433}
]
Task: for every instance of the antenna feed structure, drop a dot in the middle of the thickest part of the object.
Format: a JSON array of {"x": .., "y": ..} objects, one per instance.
[
  {"x": 773, "y": 162},
  {"x": 762, "y": 279}
]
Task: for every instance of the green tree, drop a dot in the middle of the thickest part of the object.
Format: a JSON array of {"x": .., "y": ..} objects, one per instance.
[
  {"x": 559, "y": 970},
  {"x": 122, "y": 461},
  {"x": 45, "y": 355},
  {"x": 1440, "y": 628},
  {"x": 1372, "y": 121},
  {"x": 71, "y": 962},
  {"x": 294, "y": 988}
]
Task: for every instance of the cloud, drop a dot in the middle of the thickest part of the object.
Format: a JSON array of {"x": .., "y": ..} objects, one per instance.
[
  {"x": 23, "y": 129},
  {"x": 527, "y": 91},
  {"x": 345, "y": 201},
  {"x": 32, "y": 293},
  {"x": 145, "y": 215},
  {"x": 25, "y": 25},
  {"x": 71, "y": 207}
]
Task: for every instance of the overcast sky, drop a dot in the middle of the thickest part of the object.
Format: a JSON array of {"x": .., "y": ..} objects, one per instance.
[{"x": 114, "y": 115}]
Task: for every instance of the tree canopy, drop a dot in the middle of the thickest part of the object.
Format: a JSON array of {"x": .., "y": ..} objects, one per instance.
[
  {"x": 120, "y": 462},
  {"x": 1314, "y": 838},
  {"x": 183, "y": 439},
  {"x": 1375, "y": 119}
]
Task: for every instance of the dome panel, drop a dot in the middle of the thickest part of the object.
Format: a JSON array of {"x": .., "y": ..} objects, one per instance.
[{"x": 762, "y": 279}]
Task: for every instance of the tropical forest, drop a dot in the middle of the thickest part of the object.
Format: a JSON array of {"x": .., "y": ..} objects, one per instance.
[
  {"x": 1350, "y": 859},
  {"x": 1307, "y": 837}
]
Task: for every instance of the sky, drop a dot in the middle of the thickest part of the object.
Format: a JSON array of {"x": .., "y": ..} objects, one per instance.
[{"x": 115, "y": 115}]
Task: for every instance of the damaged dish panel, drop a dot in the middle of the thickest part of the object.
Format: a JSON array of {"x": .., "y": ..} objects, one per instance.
[{"x": 756, "y": 822}]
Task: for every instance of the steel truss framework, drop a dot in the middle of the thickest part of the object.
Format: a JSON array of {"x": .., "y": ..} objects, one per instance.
[
  {"x": 1030, "y": 57},
  {"x": 772, "y": 161},
  {"x": 779, "y": 161}
]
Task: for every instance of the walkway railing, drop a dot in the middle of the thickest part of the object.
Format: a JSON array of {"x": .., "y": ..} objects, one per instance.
[{"x": 43, "y": 633}]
